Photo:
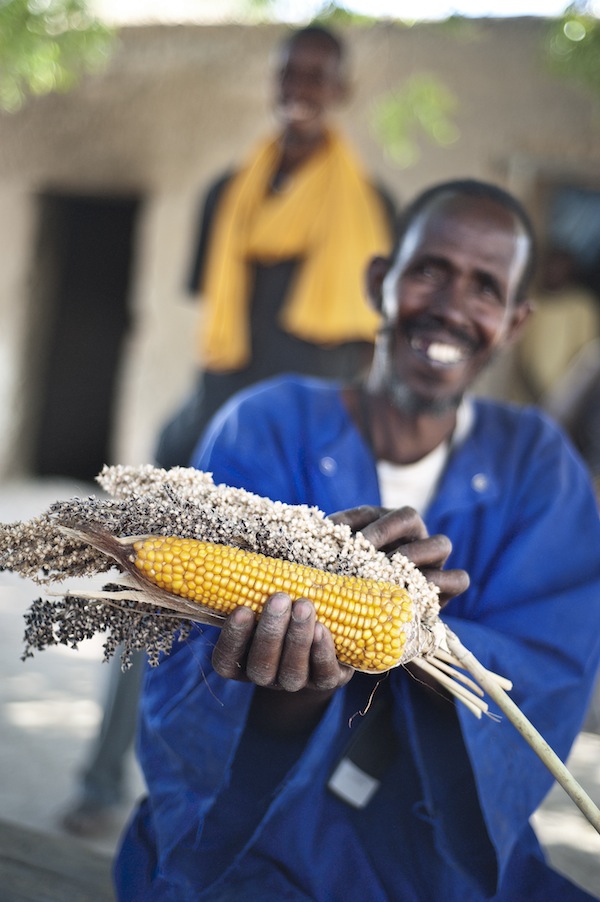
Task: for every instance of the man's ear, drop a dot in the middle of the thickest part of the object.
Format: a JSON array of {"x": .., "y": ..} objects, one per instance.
[
  {"x": 520, "y": 315},
  {"x": 377, "y": 270}
]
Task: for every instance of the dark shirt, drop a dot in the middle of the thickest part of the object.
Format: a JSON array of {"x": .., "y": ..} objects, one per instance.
[{"x": 273, "y": 350}]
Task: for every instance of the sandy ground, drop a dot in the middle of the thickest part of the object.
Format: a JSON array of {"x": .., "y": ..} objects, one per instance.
[{"x": 50, "y": 707}]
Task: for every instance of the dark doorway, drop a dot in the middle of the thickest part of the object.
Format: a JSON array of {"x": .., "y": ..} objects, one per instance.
[{"x": 84, "y": 261}]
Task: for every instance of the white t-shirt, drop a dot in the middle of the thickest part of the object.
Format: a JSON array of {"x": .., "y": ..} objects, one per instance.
[{"x": 414, "y": 485}]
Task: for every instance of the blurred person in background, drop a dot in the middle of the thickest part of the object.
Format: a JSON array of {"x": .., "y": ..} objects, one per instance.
[
  {"x": 567, "y": 318},
  {"x": 575, "y": 403},
  {"x": 282, "y": 244}
]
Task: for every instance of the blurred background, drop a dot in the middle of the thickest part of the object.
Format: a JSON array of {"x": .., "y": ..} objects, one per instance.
[
  {"x": 114, "y": 118},
  {"x": 100, "y": 187}
]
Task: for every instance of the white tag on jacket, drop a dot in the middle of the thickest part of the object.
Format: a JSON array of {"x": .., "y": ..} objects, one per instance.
[{"x": 352, "y": 784}]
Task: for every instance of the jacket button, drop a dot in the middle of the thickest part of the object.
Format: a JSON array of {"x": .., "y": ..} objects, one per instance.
[
  {"x": 479, "y": 482},
  {"x": 328, "y": 466}
]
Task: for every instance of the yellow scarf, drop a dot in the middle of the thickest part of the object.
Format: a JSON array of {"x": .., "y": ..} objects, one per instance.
[{"x": 329, "y": 216}]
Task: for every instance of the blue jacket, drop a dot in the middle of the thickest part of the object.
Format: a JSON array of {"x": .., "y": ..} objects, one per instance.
[{"x": 450, "y": 819}]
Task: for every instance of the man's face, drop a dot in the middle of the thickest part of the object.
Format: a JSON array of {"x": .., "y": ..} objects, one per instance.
[
  {"x": 308, "y": 85},
  {"x": 448, "y": 300}
]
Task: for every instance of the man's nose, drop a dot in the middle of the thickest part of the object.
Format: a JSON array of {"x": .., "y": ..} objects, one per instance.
[
  {"x": 295, "y": 81},
  {"x": 452, "y": 299}
]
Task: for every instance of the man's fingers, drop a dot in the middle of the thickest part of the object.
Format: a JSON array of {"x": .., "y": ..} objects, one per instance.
[
  {"x": 326, "y": 671},
  {"x": 403, "y": 530},
  {"x": 395, "y": 528},
  {"x": 294, "y": 667},
  {"x": 229, "y": 654},
  {"x": 358, "y": 517},
  {"x": 383, "y": 527},
  {"x": 433, "y": 551},
  {"x": 285, "y": 649},
  {"x": 266, "y": 649},
  {"x": 450, "y": 582}
]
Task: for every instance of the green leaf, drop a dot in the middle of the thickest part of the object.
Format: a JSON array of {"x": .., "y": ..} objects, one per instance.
[
  {"x": 420, "y": 109},
  {"x": 572, "y": 49},
  {"x": 47, "y": 45}
]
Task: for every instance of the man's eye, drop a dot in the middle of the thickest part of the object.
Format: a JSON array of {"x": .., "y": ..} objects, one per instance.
[
  {"x": 489, "y": 291},
  {"x": 428, "y": 271}
]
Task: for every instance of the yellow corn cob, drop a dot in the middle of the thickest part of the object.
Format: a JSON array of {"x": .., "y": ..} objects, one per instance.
[{"x": 367, "y": 618}]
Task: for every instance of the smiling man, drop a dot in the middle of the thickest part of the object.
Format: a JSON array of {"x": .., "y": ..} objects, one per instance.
[
  {"x": 454, "y": 294},
  {"x": 262, "y": 784}
]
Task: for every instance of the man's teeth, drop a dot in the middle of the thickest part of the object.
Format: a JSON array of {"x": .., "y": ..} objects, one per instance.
[{"x": 439, "y": 352}]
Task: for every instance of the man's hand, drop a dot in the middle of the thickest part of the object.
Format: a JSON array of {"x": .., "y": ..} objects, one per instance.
[
  {"x": 285, "y": 649},
  {"x": 403, "y": 530}
]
